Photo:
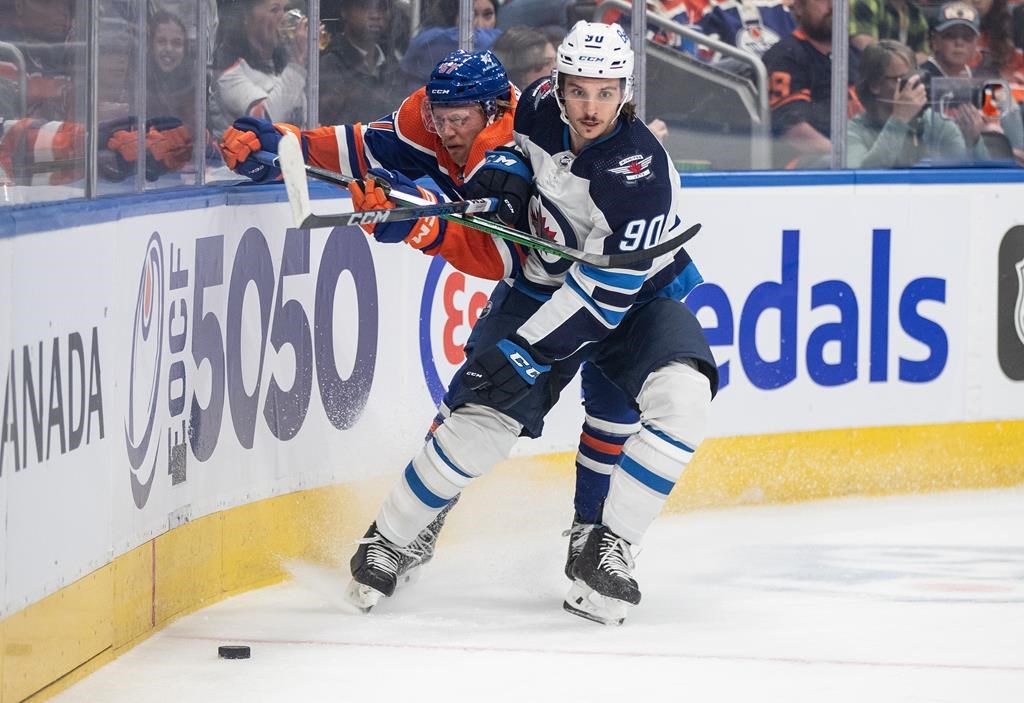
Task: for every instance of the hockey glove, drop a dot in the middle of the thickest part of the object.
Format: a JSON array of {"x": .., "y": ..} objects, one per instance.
[
  {"x": 504, "y": 175},
  {"x": 121, "y": 141},
  {"x": 372, "y": 194},
  {"x": 504, "y": 374},
  {"x": 169, "y": 146},
  {"x": 249, "y": 135}
]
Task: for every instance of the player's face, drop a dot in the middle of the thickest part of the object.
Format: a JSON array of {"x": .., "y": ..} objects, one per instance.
[
  {"x": 955, "y": 46},
  {"x": 592, "y": 105},
  {"x": 458, "y": 127}
]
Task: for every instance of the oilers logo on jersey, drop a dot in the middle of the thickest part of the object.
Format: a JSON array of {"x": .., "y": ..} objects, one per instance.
[{"x": 756, "y": 38}]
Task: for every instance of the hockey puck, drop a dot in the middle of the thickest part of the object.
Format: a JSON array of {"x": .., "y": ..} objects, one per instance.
[{"x": 233, "y": 651}]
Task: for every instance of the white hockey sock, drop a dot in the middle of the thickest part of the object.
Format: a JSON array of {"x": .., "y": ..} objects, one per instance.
[
  {"x": 467, "y": 445},
  {"x": 674, "y": 406}
]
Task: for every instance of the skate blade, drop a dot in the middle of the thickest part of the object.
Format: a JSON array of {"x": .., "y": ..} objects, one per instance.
[
  {"x": 587, "y": 603},
  {"x": 361, "y": 596}
]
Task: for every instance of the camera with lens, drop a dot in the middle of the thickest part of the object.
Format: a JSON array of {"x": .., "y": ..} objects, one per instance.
[
  {"x": 922, "y": 75},
  {"x": 988, "y": 96}
]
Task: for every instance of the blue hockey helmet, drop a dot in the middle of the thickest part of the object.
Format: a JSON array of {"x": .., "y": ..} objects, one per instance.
[{"x": 467, "y": 78}]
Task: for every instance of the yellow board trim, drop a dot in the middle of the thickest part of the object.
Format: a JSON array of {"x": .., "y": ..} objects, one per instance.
[{"x": 56, "y": 641}]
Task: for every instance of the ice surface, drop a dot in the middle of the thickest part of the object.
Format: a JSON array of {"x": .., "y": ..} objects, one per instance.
[{"x": 916, "y": 598}]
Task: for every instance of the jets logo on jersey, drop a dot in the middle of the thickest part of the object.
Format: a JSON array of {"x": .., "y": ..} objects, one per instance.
[
  {"x": 634, "y": 167},
  {"x": 540, "y": 92}
]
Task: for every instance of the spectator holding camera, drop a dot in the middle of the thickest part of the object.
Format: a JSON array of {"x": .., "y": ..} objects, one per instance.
[
  {"x": 954, "y": 40},
  {"x": 897, "y": 128},
  {"x": 260, "y": 65}
]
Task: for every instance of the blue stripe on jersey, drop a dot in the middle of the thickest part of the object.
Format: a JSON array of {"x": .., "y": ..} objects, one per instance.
[
  {"x": 645, "y": 475},
  {"x": 353, "y": 152},
  {"x": 664, "y": 437},
  {"x": 602, "y": 436},
  {"x": 613, "y": 279},
  {"x": 612, "y": 317},
  {"x": 680, "y": 287},
  {"x": 444, "y": 457},
  {"x": 426, "y": 496}
]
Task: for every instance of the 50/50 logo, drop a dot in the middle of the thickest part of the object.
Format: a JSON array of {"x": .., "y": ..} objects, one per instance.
[{"x": 226, "y": 341}]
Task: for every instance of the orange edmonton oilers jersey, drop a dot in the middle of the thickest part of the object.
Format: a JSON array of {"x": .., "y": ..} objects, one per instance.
[{"x": 402, "y": 142}]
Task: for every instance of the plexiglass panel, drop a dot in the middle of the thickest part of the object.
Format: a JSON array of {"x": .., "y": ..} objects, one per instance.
[
  {"x": 43, "y": 91},
  {"x": 119, "y": 92},
  {"x": 172, "y": 87}
]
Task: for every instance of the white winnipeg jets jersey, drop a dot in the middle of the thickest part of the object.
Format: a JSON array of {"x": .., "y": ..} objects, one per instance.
[{"x": 619, "y": 194}]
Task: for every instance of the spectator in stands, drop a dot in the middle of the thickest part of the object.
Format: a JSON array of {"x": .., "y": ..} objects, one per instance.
[
  {"x": 800, "y": 83},
  {"x": 753, "y": 25},
  {"x": 170, "y": 96},
  {"x": 359, "y": 69},
  {"x": 897, "y": 128},
  {"x": 186, "y": 11},
  {"x": 684, "y": 12},
  {"x": 902, "y": 20},
  {"x": 554, "y": 17},
  {"x": 439, "y": 36},
  {"x": 954, "y": 41},
  {"x": 260, "y": 69},
  {"x": 997, "y": 55},
  {"x": 170, "y": 87},
  {"x": 526, "y": 53},
  {"x": 41, "y": 30}
]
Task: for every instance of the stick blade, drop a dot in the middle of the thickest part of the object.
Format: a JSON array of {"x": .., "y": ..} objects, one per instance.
[{"x": 293, "y": 170}]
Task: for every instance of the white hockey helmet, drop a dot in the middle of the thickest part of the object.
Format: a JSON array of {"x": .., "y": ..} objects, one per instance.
[{"x": 594, "y": 50}]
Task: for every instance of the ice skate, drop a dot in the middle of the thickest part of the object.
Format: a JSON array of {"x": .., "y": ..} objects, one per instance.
[
  {"x": 379, "y": 566},
  {"x": 577, "y": 535},
  {"x": 603, "y": 589}
]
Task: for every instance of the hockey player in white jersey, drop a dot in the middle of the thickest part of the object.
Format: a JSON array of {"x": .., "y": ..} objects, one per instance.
[{"x": 606, "y": 185}]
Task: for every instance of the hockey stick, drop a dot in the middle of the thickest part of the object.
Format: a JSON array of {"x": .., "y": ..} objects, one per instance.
[
  {"x": 299, "y": 199},
  {"x": 294, "y": 169}
]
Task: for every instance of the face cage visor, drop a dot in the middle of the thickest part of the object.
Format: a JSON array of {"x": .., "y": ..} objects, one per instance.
[{"x": 435, "y": 124}]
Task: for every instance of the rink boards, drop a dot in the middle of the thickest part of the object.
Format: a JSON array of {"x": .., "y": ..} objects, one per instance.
[{"x": 191, "y": 389}]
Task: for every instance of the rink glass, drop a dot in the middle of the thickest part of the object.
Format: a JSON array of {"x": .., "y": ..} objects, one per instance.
[{"x": 56, "y": 54}]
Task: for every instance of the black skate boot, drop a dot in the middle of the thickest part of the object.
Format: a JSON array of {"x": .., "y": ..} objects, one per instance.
[
  {"x": 603, "y": 589},
  {"x": 577, "y": 535},
  {"x": 376, "y": 566},
  {"x": 379, "y": 566}
]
